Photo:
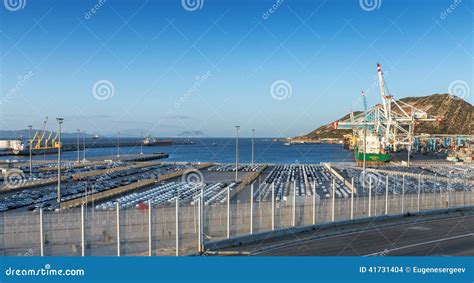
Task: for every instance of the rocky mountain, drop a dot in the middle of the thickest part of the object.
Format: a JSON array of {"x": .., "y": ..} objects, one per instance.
[{"x": 458, "y": 117}]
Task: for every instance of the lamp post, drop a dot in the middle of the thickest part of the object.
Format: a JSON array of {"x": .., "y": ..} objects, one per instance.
[
  {"x": 84, "y": 142},
  {"x": 60, "y": 122},
  {"x": 118, "y": 144},
  {"x": 365, "y": 134},
  {"x": 253, "y": 145},
  {"x": 141, "y": 144},
  {"x": 236, "y": 152},
  {"x": 78, "y": 147},
  {"x": 31, "y": 144}
]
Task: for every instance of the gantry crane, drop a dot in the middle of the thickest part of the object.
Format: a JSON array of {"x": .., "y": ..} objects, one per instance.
[
  {"x": 40, "y": 142},
  {"x": 387, "y": 126},
  {"x": 40, "y": 135}
]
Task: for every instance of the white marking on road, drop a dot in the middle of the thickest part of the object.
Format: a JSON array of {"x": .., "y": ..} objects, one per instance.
[
  {"x": 366, "y": 229},
  {"x": 386, "y": 251}
]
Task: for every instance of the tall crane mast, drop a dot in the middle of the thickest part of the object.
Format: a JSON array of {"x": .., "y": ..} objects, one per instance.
[
  {"x": 41, "y": 136},
  {"x": 382, "y": 90}
]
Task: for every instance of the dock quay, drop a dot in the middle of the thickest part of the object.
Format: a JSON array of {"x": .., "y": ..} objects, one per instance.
[
  {"x": 73, "y": 147},
  {"x": 132, "y": 157}
]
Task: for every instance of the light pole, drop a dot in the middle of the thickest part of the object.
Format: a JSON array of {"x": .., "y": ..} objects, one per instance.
[
  {"x": 253, "y": 144},
  {"x": 365, "y": 134},
  {"x": 237, "y": 152},
  {"x": 60, "y": 122},
  {"x": 141, "y": 144},
  {"x": 118, "y": 144},
  {"x": 84, "y": 141},
  {"x": 78, "y": 148},
  {"x": 31, "y": 144}
]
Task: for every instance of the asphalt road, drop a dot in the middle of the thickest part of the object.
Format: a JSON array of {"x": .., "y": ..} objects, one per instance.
[{"x": 449, "y": 236}]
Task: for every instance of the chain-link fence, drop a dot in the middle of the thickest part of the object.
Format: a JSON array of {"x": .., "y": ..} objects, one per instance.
[{"x": 182, "y": 229}]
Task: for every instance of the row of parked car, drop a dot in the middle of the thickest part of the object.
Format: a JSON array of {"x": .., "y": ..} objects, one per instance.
[
  {"x": 35, "y": 198},
  {"x": 231, "y": 168}
]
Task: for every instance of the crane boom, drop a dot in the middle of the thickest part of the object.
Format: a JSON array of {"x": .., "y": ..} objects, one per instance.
[{"x": 43, "y": 132}]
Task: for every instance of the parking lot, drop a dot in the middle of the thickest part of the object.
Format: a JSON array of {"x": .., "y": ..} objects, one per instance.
[
  {"x": 45, "y": 196},
  {"x": 300, "y": 180},
  {"x": 408, "y": 180}
]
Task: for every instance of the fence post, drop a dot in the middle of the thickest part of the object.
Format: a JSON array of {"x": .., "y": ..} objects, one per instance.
[
  {"x": 314, "y": 202},
  {"x": 177, "y": 224},
  {"x": 83, "y": 244},
  {"x": 333, "y": 199},
  {"x": 352, "y": 198},
  {"x": 201, "y": 223},
  {"x": 117, "y": 208},
  {"x": 251, "y": 208},
  {"x": 434, "y": 192},
  {"x": 403, "y": 194},
  {"x": 149, "y": 228},
  {"x": 294, "y": 204},
  {"x": 375, "y": 200},
  {"x": 464, "y": 191},
  {"x": 386, "y": 195},
  {"x": 41, "y": 233},
  {"x": 449, "y": 190},
  {"x": 370, "y": 197},
  {"x": 228, "y": 212},
  {"x": 419, "y": 191},
  {"x": 273, "y": 206}
]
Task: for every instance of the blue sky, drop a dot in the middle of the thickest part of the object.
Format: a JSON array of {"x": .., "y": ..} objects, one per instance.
[{"x": 175, "y": 70}]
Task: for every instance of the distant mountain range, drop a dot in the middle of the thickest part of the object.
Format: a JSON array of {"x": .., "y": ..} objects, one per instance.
[
  {"x": 458, "y": 118},
  {"x": 190, "y": 134},
  {"x": 24, "y": 134}
]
